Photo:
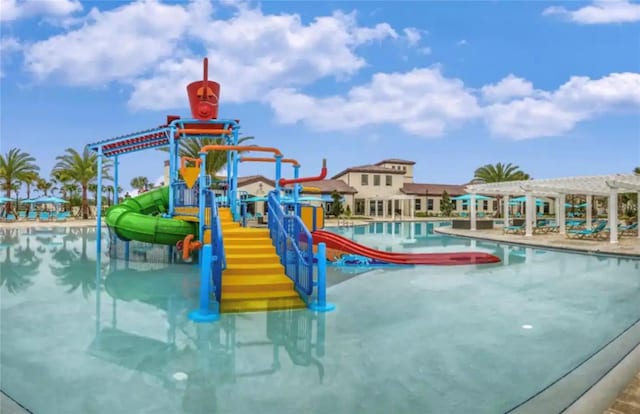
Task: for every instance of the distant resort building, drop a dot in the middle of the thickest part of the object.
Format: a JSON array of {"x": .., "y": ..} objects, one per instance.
[{"x": 384, "y": 189}]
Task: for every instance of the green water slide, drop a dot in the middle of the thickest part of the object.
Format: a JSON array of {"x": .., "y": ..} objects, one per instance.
[{"x": 140, "y": 218}]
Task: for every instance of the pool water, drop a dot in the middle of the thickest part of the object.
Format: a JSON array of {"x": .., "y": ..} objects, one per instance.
[{"x": 81, "y": 335}]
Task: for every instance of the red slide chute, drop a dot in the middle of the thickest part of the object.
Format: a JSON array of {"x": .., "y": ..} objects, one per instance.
[{"x": 337, "y": 242}]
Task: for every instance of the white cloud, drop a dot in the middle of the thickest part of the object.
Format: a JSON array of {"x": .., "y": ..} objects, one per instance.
[
  {"x": 413, "y": 35},
  {"x": 253, "y": 53},
  {"x": 8, "y": 45},
  {"x": 114, "y": 45},
  {"x": 509, "y": 87},
  {"x": 422, "y": 102},
  {"x": 462, "y": 42},
  {"x": 600, "y": 12},
  {"x": 556, "y": 113},
  {"x": 17, "y": 9}
]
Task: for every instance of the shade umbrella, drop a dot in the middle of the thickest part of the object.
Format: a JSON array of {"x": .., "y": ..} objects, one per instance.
[
  {"x": 5, "y": 200},
  {"x": 523, "y": 199},
  {"x": 468, "y": 197}
]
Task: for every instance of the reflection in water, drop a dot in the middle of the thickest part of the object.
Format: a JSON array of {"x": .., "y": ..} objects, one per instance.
[
  {"x": 16, "y": 276},
  {"x": 204, "y": 356}
]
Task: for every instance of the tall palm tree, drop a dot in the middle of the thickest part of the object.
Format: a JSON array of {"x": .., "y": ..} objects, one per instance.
[
  {"x": 29, "y": 179},
  {"x": 216, "y": 160},
  {"x": 44, "y": 186},
  {"x": 81, "y": 168},
  {"x": 497, "y": 173},
  {"x": 14, "y": 166},
  {"x": 500, "y": 172},
  {"x": 140, "y": 183},
  {"x": 636, "y": 170}
]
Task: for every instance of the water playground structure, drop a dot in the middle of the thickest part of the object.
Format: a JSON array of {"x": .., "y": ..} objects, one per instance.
[{"x": 241, "y": 268}]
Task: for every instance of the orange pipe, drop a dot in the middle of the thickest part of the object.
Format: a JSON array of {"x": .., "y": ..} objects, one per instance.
[
  {"x": 265, "y": 159},
  {"x": 196, "y": 131},
  {"x": 208, "y": 148},
  {"x": 188, "y": 246},
  {"x": 323, "y": 174},
  {"x": 183, "y": 161}
]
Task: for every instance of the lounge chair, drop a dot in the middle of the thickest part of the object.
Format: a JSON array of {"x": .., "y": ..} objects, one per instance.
[
  {"x": 22, "y": 215},
  {"x": 44, "y": 216},
  {"x": 514, "y": 229},
  {"x": 593, "y": 233},
  {"x": 630, "y": 230},
  {"x": 60, "y": 216},
  {"x": 11, "y": 217},
  {"x": 32, "y": 216}
]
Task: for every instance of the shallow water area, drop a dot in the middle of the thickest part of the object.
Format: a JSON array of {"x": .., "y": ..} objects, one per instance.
[{"x": 81, "y": 335}]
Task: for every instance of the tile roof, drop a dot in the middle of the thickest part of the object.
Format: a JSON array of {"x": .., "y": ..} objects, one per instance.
[
  {"x": 250, "y": 179},
  {"x": 433, "y": 189},
  {"x": 396, "y": 161},
  {"x": 368, "y": 169}
]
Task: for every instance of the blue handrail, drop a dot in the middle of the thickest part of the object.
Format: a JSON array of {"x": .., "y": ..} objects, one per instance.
[
  {"x": 219, "y": 260},
  {"x": 294, "y": 245}
]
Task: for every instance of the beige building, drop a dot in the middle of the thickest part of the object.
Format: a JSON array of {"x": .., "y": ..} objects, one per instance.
[{"x": 383, "y": 189}]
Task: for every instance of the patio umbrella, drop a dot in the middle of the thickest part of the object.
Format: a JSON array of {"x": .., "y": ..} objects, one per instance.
[
  {"x": 523, "y": 199},
  {"x": 468, "y": 197},
  {"x": 5, "y": 200}
]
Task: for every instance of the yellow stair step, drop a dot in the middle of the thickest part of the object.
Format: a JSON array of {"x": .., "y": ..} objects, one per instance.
[
  {"x": 283, "y": 293},
  {"x": 261, "y": 305},
  {"x": 231, "y": 247},
  {"x": 251, "y": 258},
  {"x": 253, "y": 269},
  {"x": 246, "y": 283},
  {"x": 246, "y": 241}
]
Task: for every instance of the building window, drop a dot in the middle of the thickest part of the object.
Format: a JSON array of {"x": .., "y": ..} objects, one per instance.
[
  {"x": 365, "y": 179},
  {"x": 485, "y": 205},
  {"x": 404, "y": 168},
  {"x": 376, "y": 180},
  {"x": 418, "y": 204},
  {"x": 495, "y": 205},
  {"x": 388, "y": 180},
  {"x": 359, "y": 206},
  {"x": 430, "y": 204},
  {"x": 454, "y": 204},
  {"x": 393, "y": 166}
]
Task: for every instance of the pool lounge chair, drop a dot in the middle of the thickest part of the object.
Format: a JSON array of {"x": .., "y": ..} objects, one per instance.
[
  {"x": 11, "y": 217},
  {"x": 514, "y": 229},
  {"x": 22, "y": 215},
  {"x": 594, "y": 233},
  {"x": 60, "y": 216},
  {"x": 630, "y": 230},
  {"x": 44, "y": 216},
  {"x": 32, "y": 216}
]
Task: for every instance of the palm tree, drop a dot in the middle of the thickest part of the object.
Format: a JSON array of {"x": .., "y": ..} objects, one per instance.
[
  {"x": 81, "y": 168},
  {"x": 636, "y": 170},
  {"x": 44, "y": 186},
  {"x": 14, "y": 166},
  {"x": 29, "y": 179},
  {"x": 140, "y": 183},
  {"x": 109, "y": 190},
  {"x": 16, "y": 276},
  {"x": 498, "y": 173},
  {"x": 216, "y": 160}
]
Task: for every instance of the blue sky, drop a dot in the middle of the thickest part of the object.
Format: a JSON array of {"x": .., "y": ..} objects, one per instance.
[{"x": 551, "y": 86}]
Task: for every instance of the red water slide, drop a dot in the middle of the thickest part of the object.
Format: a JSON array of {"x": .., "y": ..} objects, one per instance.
[{"x": 337, "y": 242}]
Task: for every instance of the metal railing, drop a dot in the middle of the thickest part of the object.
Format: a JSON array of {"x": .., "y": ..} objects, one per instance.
[
  {"x": 294, "y": 245},
  {"x": 218, "y": 260},
  {"x": 183, "y": 196}
]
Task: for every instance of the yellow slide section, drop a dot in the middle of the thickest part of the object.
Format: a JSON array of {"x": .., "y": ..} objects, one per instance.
[{"x": 254, "y": 279}]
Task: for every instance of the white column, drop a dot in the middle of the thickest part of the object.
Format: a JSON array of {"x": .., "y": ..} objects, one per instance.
[
  {"x": 366, "y": 207},
  {"x": 638, "y": 213},
  {"x": 589, "y": 202},
  {"x": 412, "y": 200},
  {"x": 613, "y": 217},
  {"x": 376, "y": 206},
  {"x": 402, "y": 209},
  {"x": 472, "y": 211},
  {"x": 505, "y": 208},
  {"x": 505, "y": 255},
  {"x": 561, "y": 214},
  {"x": 556, "y": 209},
  {"x": 529, "y": 214}
]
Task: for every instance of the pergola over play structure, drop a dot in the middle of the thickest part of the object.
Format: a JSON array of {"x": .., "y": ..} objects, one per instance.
[{"x": 600, "y": 185}]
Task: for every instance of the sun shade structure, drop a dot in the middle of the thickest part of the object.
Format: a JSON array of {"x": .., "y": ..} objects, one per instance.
[{"x": 598, "y": 185}]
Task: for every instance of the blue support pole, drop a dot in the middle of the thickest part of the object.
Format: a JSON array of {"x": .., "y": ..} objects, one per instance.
[
  {"x": 116, "y": 163},
  {"x": 278, "y": 174},
  {"x": 321, "y": 304},
  {"x": 296, "y": 190},
  {"x": 202, "y": 205},
  {"x": 172, "y": 169},
  {"x": 204, "y": 313},
  {"x": 99, "y": 206}
]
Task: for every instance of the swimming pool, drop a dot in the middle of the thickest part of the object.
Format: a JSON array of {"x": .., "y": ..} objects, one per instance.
[{"x": 479, "y": 339}]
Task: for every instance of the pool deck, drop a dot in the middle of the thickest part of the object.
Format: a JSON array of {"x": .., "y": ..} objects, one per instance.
[
  {"x": 627, "y": 245},
  {"x": 628, "y": 402}
]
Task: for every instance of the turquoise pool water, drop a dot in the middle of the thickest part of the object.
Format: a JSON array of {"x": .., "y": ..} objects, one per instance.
[{"x": 469, "y": 339}]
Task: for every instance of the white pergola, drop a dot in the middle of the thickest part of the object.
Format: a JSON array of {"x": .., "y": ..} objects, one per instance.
[{"x": 599, "y": 185}]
